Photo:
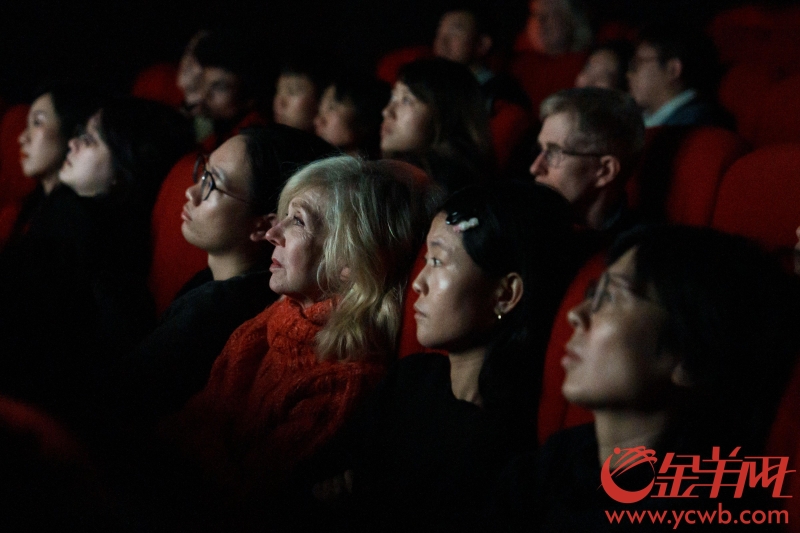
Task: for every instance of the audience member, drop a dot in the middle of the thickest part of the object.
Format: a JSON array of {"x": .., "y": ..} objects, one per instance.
[
  {"x": 236, "y": 78},
  {"x": 349, "y": 115},
  {"x": 684, "y": 345},
  {"x": 230, "y": 207},
  {"x": 607, "y": 66},
  {"x": 465, "y": 36},
  {"x": 53, "y": 119},
  {"x": 298, "y": 92},
  {"x": 73, "y": 291},
  {"x": 288, "y": 379},
  {"x": 590, "y": 142},
  {"x": 556, "y": 27},
  {"x": 436, "y": 120},
  {"x": 438, "y": 431},
  {"x": 190, "y": 81},
  {"x": 673, "y": 77}
]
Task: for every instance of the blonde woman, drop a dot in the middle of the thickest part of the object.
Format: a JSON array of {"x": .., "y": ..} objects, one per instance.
[{"x": 346, "y": 236}]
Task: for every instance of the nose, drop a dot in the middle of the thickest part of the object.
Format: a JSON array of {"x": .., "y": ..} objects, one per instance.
[
  {"x": 538, "y": 167},
  {"x": 193, "y": 193},
  {"x": 274, "y": 235},
  {"x": 578, "y": 316},
  {"x": 23, "y": 137},
  {"x": 418, "y": 285},
  {"x": 388, "y": 110},
  {"x": 73, "y": 144}
]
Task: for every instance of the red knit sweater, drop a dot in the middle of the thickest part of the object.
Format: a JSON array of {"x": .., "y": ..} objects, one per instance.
[{"x": 269, "y": 401}]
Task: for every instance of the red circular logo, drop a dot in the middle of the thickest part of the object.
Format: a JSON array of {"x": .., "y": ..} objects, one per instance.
[{"x": 630, "y": 458}]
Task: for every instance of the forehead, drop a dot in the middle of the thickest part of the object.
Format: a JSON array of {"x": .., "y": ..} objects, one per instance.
[
  {"x": 311, "y": 200},
  {"x": 43, "y": 103},
  {"x": 232, "y": 154},
  {"x": 216, "y": 74},
  {"x": 295, "y": 80},
  {"x": 443, "y": 236},
  {"x": 557, "y": 129},
  {"x": 461, "y": 20},
  {"x": 646, "y": 49},
  {"x": 604, "y": 59}
]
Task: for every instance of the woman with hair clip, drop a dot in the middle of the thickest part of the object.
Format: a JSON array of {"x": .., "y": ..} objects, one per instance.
[
  {"x": 425, "y": 452},
  {"x": 683, "y": 345},
  {"x": 229, "y": 209},
  {"x": 436, "y": 119},
  {"x": 73, "y": 291},
  {"x": 345, "y": 239}
]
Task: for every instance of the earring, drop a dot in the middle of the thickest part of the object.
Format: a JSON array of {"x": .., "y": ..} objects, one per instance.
[{"x": 499, "y": 316}]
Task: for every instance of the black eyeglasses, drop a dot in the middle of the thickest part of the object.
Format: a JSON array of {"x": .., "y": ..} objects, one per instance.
[
  {"x": 207, "y": 183},
  {"x": 597, "y": 291},
  {"x": 554, "y": 155}
]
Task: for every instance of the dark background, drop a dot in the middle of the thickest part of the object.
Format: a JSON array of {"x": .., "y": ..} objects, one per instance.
[{"x": 108, "y": 42}]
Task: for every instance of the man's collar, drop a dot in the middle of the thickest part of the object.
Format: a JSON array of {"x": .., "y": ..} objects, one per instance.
[{"x": 659, "y": 117}]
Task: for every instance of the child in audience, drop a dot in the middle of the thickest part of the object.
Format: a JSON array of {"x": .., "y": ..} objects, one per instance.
[
  {"x": 349, "y": 115},
  {"x": 298, "y": 93}
]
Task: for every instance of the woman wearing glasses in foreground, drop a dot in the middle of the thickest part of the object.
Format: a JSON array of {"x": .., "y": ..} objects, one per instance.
[
  {"x": 685, "y": 344},
  {"x": 228, "y": 211}
]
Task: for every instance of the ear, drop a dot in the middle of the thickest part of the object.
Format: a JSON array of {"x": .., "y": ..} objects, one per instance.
[
  {"x": 607, "y": 171},
  {"x": 262, "y": 224},
  {"x": 680, "y": 377},
  {"x": 674, "y": 68},
  {"x": 483, "y": 46},
  {"x": 509, "y": 293}
]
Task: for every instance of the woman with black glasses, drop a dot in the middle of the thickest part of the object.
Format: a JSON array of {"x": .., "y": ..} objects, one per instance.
[{"x": 229, "y": 209}]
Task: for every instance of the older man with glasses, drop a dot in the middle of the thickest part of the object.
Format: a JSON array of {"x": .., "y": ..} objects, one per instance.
[{"x": 589, "y": 144}]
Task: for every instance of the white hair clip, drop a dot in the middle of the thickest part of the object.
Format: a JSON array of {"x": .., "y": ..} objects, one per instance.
[{"x": 464, "y": 225}]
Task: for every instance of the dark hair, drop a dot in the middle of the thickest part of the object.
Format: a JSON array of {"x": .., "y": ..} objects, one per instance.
[
  {"x": 145, "y": 139},
  {"x": 732, "y": 318},
  {"x": 306, "y": 63},
  {"x": 239, "y": 53},
  {"x": 479, "y": 10},
  {"x": 701, "y": 67},
  {"x": 368, "y": 96},
  {"x": 460, "y": 122},
  {"x": 73, "y": 104},
  {"x": 524, "y": 228},
  {"x": 275, "y": 152},
  {"x": 623, "y": 50}
]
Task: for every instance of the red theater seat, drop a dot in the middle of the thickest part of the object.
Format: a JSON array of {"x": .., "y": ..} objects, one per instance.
[
  {"x": 742, "y": 91},
  {"x": 555, "y": 413},
  {"x": 158, "y": 82},
  {"x": 389, "y": 65},
  {"x": 175, "y": 261},
  {"x": 778, "y": 119},
  {"x": 759, "y": 196},
  {"x": 14, "y": 185},
  {"x": 541, "y": 75},
  {"x": 508, "y": 124},
  {"x": 742, "y": 33}
]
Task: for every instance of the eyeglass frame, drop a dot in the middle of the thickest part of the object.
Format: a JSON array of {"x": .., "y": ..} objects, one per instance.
[
  {"x": 596, "y": 289},
  {"x": 554, "y": 151},
  {"x": 207, "y": 176}
]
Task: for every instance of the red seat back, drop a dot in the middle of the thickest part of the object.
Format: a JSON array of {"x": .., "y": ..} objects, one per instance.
[
  {"x": 703, "y": 158},
  {"x": 541, "y": 75},
  {"x": 14, "y": 185},
  {"x": 390, "y": 64},
  {"x": 508, "y": 125},
  {"x": 680, "y": 172},
  {"x": 742, "y": 91},
  {"x": 555, "y": 413},
  {"x": 158, "y": 82},
  {"x": 759, "y": 196},
  {"x": 778, "y": 119},
  {"x": 174, "y": 261},
  {"x": 742, "y": 33}
]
